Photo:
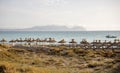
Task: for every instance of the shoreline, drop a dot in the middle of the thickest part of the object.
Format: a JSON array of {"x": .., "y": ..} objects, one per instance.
[{"x": 84, "y": 44}]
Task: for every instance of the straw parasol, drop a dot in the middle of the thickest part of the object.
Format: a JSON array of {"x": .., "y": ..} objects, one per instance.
[
  {"x": 97, "y": 44},
  {"x": 84, "y": 41},
  {"x": 33, "y": 40},
  {"x": 105, "y": 41},
  {"x": 62, "y": 41},
  {"x": 40, "y": 41},
  {"x": 73, "y": 42},
  {"x": 17, "y": 40},
  {"x": 12, "y": 41},
  {"x": 20, "y": 40},
  {"x": 104, "y": 44},
  {"x": 29, "y": 41},
  {"x": 99, "y": 41},
  {"x": 3, "y": 41},
  {"x": 93, "y": 42},
  {"x": 109, "y": 43},
  {"x": 25, "y": 40},
  {"x": 51, "y": 40},
  {"x": 119, "y": 43},
  {"x": 116, "y": 41},
  {"x": 44, "y": 41},
  {"x": 37, "y": 41}
]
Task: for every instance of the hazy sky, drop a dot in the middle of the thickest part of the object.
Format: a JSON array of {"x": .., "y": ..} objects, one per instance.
[{"x": 91, "y": 14}]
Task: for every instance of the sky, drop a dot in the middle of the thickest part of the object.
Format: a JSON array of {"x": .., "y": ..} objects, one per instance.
[{"x": 90, "y": 14}]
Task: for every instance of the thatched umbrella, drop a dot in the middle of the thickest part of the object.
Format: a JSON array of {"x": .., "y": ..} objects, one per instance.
[
  {"x": 41, "y": 41},
  {"x": 104, "y": 44},
  {"x": 17, "y": 40},
  {"x": 13, "y": 42},
  {"x": 105, "y": 41},
  {"x": 84, "y": 43},
  {"x": 51, "y": 40},
  {"x": 25, "y": 41},
  {"x": 33, "y": 40},
  {"x": 37, "y": 41},
  {"x": 73, "y": 42},
  {"x": 44, "y": 41},
  {"x": 96, "y": 44},
  {"x": 62, "y": 41},
  {"x": 99, "y": 44},
  {"x": 20, "y": 40},
  {"x": 29, "y": 41},
  {"x": 93, "y": 42},
  {"x": 3, "y": 41},
  {"x": 109, "y": 43},
  {"x": 116, "y": 43}
]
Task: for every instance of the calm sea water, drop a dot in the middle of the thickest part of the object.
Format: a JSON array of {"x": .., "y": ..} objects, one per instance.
[{"x": 58, "y": 35}]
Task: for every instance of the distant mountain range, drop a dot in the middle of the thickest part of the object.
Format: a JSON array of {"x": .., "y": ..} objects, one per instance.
[{"x": 48, "y": 28}]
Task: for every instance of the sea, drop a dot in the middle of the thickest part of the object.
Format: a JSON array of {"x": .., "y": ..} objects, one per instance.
[{"x": 58, "y": 35}]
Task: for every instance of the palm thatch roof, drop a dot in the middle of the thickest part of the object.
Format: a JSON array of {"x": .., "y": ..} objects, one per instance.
[
  {"x": 84, "y": 41},
  {"x": 62, "y": 41},
  {"x": 73, "y": 41},
  {"x": 3, "y": 40},
  {"x": 51, "y": 40},
  {"x": 12, "y": 41}
]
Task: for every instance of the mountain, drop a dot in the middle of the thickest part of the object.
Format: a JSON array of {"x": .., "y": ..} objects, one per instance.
[{"x": 48, "y": 28}]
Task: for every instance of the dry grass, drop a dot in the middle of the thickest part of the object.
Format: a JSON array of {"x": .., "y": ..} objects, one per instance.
[
  {"x": 9, "y": 67},
  {"x": 64, "y": 60},
  {"x": 93, "y": 64}
]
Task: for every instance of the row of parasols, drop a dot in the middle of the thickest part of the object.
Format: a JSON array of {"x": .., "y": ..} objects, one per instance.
[
  {"x": 31, "y": 40},
  {"x": 52, "y": 40}
]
